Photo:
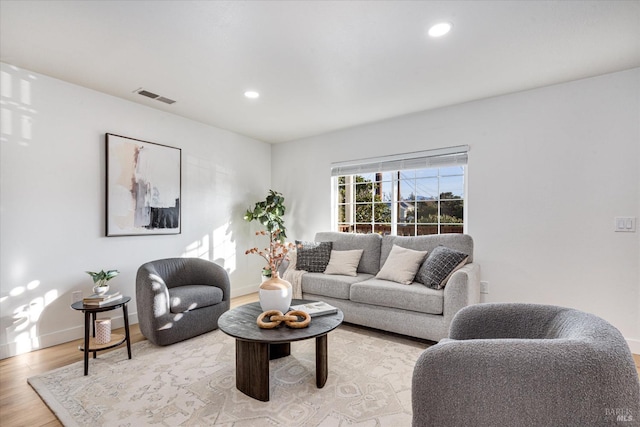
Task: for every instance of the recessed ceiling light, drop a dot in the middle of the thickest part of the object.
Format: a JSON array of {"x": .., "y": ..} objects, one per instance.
[
  {"x": 440, "y": 29},
  {"x": 251, "y": 94}
]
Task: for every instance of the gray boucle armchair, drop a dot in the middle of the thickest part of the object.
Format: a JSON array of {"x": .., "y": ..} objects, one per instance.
[
  {"x": 179, "y": 298},
  {"x": 526, "y": 365}
]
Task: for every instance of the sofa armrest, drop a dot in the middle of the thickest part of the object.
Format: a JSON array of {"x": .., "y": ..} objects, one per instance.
[
  {"x": 462, "y": 289},
  {"x": 520, "y": 382}
]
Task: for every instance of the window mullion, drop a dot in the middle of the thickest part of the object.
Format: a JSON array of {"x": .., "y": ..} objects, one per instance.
[
  {"x": 394, "y": 202},
  {"x": 439, "y": 202}
]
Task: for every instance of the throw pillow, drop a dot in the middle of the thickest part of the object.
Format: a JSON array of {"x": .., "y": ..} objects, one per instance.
[
  {"x": 441, "y": 263},
  {"x": 401, "y": 265},
  {"x": 313, "y": 256},
  {"x": 344, "y": 262}
]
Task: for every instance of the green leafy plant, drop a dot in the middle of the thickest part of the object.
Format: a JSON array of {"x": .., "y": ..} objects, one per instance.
[
  {"x": 269, "y": 213},
  {"x": 101, "y": 277}
]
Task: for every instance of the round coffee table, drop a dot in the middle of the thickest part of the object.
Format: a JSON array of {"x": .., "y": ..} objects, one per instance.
[{"x": 256, "y": 346}]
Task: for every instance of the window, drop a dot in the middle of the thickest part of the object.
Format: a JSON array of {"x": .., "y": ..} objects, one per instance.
[{"x": 405, "y": 195}]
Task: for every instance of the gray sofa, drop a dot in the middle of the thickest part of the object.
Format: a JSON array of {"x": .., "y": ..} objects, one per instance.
[
  {"x": 527, "y": 365},
  {"x": 414, "y": 310},
  {"x": 179, "y": 298}
]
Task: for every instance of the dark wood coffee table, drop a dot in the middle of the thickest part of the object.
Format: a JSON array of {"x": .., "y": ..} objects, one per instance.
[{"x": 256, "y": 346}]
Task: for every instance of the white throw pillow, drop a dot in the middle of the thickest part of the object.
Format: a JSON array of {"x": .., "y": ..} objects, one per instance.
[
  {"x": 401, "y": 265},
  {"x": 344, "y": 262}
]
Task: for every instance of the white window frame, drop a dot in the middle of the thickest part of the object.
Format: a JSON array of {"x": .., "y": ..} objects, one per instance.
[{"x": 431, "y": 159}]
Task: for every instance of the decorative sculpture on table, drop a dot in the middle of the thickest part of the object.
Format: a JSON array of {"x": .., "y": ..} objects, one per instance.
[{"x": 275, "y": 317}]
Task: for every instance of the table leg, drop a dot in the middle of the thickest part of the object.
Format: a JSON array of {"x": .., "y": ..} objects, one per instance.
[
  {"x": 93, "y": 324},
  {"x": 276, "y": 351},
  {"x": 252, "y": 369},
  {"x": 322, "y": 361},
  {"x": 87, "y": 326},
  {"x": 126, "y": 328}
]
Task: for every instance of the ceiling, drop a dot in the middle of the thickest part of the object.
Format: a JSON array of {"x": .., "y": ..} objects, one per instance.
[{"x": 319, "y": 66}]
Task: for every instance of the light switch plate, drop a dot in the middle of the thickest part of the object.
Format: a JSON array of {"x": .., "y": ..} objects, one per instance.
[
  {"x": 625, "y": 224},
  {"x": 484, "y": 287}
]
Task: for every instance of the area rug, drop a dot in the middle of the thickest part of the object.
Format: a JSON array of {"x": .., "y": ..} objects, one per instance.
[{"x": 193, "y": 384}]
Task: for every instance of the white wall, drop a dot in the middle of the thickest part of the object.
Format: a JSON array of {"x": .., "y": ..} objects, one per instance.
[
  {"x": 52, "y": 195},
  {"x": 548, "y": 171}
]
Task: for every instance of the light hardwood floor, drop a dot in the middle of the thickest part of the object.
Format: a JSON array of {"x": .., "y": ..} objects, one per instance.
[{"x": 21, "y": 406}]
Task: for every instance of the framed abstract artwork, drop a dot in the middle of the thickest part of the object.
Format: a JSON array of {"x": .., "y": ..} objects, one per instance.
[{"x": 143, "y": 187}]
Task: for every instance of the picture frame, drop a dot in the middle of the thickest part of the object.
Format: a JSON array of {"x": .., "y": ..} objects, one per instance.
[{"x": 143, "y": 187}]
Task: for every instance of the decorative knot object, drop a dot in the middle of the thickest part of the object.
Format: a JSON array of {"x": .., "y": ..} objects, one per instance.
[{"x": 275, "y": 317}]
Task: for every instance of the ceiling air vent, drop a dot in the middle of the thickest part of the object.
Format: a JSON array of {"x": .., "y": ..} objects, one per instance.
[
  {"x": 165, "y": 100},
  {"x": 155, "y": 96},
  {"x": 148, "y": 94}
]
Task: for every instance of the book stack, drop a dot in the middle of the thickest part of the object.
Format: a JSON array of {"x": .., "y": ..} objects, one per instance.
[
  {"x": 314, "y": 309},
  {"x": 98, "y": 300}
]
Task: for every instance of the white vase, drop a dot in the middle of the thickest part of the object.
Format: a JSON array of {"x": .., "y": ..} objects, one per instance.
[
  {"x": 100, "y": 289},
  {"x": 275, "y": 294}
]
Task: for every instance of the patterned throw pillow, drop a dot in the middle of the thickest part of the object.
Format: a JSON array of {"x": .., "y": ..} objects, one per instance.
[
  {"x": 441, "y": 263},
  {"x": 313, "y": 257}
]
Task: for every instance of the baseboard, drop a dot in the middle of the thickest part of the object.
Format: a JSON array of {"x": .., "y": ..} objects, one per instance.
[
  {"x": 59, "y": 337},
  {"x": 243, "y": 290},
  {"x": 634, "y": 346}
]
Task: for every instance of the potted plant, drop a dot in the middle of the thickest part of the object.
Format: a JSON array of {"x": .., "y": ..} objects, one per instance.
[
  {"x": 274, "y": 254},
  {"x": 274, "y": 293},
  {"x": 269, "y": 213},
  {"x": 101, "y": 278}
]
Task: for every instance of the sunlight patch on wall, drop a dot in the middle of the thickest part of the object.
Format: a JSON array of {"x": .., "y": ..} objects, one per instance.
[
  {"x": 217, "y": 247},
  {"x": 224, "y": 248},
  {"x": 23, "y": 330},
  {"x": 18, "y": 290},
  {"x": 5, "y": 122},
  {"x": 25, "y": 92},
  {"x": 16, "y": 114},
  {"x": 198, "y": 249},
  {"x": 5, "y": 85}
]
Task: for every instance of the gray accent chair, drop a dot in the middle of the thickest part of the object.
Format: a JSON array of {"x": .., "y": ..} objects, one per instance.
[
  {"x": 180, "y": 298},
  {"x": 526, "y": 365}
]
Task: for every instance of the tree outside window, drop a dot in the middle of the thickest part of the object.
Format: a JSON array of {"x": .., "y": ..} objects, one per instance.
[{"x": 414, "y": 202}]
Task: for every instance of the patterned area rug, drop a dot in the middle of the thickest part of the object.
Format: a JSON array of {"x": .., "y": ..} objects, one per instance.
[{"x": 193, "y": 384}]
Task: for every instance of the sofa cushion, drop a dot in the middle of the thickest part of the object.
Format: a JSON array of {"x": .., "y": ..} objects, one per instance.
[
  {"x": 191, "y": 297},
  {"x": 312, "y": 256},
  {"x": 385, "y": 293},
  {"x": 459, "y": 242},
  {"x": 344, "y": 262},
  {"x": 441, "y": 263},
  {"x": 369, "y": 243},
  {"x": 330, "y": 285},
  {"x": 401, "y": 265}
]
